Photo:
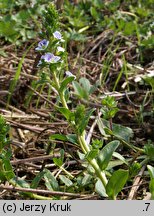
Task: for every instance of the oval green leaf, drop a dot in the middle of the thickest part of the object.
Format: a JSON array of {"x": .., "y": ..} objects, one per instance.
[
  {"x": 66, "y": 180},
  {"x": 65, "y": 82},
  {"x": 50, "y": 181},
  {"x": 105, "y": 154},
  {"x": 116, "y": 183}
]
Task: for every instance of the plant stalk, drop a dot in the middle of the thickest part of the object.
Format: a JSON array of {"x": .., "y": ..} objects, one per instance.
[
  {"x": 93, "y": 162},
  {"x": 63, "y": 101},
  {"x": 81, "y": 138}
]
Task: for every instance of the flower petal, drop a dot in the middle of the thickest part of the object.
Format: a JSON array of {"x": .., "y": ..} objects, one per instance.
[
  {"x": 69, "y": 74},
  {"x": 42, "y": 45},
  {"x": 57, "y": 35},
  {"x": 60, "y": 49},
  {"x": 56, "y": 59},
  {"x": 50, "y": 58}
]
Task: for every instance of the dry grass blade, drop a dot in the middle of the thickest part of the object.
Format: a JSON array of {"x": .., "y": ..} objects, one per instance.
[
  {"x": 35, "y": 159},
  {"x": 136, "y": 184},
  {"x": 44, "y": 192}
]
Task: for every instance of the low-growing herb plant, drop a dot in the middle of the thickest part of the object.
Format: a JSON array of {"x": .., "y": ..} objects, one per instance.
[
  {"x": 54, "y": 61},
  {"x": 100, "y": 171}
]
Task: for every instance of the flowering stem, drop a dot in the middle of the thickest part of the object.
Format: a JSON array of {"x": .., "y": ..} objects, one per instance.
[
  {"x": 61, "y": 94},
  {"x": 81, "y": 138}
]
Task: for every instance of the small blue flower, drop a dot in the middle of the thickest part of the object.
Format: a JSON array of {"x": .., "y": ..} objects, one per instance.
[
  {"x": 57, "y": 35},
  {"x": 49, "y": 58},
  {"x": 42, "y": 45}
]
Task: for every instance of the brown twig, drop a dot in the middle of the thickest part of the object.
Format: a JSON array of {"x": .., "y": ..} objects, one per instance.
[
  {"x": 34, "y": 159},
  {"x": 44, "y": 192},
  {"x": 137, "y": 183},
  {"x": 41, "y": 96},
  {"x": 11, "y": 107},
  {"x": 28, "y": 127}
]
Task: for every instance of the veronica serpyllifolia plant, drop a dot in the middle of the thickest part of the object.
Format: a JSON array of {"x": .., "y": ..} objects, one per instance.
[{"x": 54, "y": 59}]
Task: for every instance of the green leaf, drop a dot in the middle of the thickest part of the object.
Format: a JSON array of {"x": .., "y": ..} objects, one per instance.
[
  {"x": 79, "y": 91},
  {"x": 58, "y": 137},
  {"x": 6, "y": 168},
  {"x": 31, "y": 34},
  {"x": 58, "y": 162},
  {"x": 113, "y": 112},
  {"x": 97, "y": 144},
  {"x": 116, "y": 183},
  {"x": 84, "y": 121},
  {"x": 85, "y": 84},
  {"x": 62, "y": 153},
  {"x": 79, "y": 114},
  {"x": 4, "y": 132},
  {"x": 72, "y": 138},
  {"x": 114, "y": 163},
  {"x": 94, "y": 13},
  {"x": 101, "y": 127},
  {"x": 37, "y": 179},
  {"x": 9, "y": 173},
  {"x": 86, "y": 180},
  {"x": 19, "y": 182},
  {"x": 100, "y": 189},
  {"x": 92, "y": 154},
  {"x": 105, "y": 154},
  {"x": 7, "y": 30},
  {"x": 66, "y": 113},
  {"x": 129, "y": 28},
  {"x": 151, "y": 171},
  {"x": 97, "y": 3},
  {"x": 109, "y": 101},
  {"x": 149, "y": 150},
  {"x": 21, "y": 16},
  {"x": 2, "y": 175},
  {"x": 65, "y": 82},
  {"x": 151, "y": 188},
  {"x": 148, "y": 42},
  {"x": 50, "y": 181},
  {"x": 149, "y": 81},
  {"x": 120, "y": 157},
  {"x": 113, "y": 5},
  {"x": 81, "y": 155},
  {"x": 66, "y": 180},
  {"x": 125, "y": 133},
  {"x": 2, "y": 171},
  {"x": 134, "y": 169}
]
